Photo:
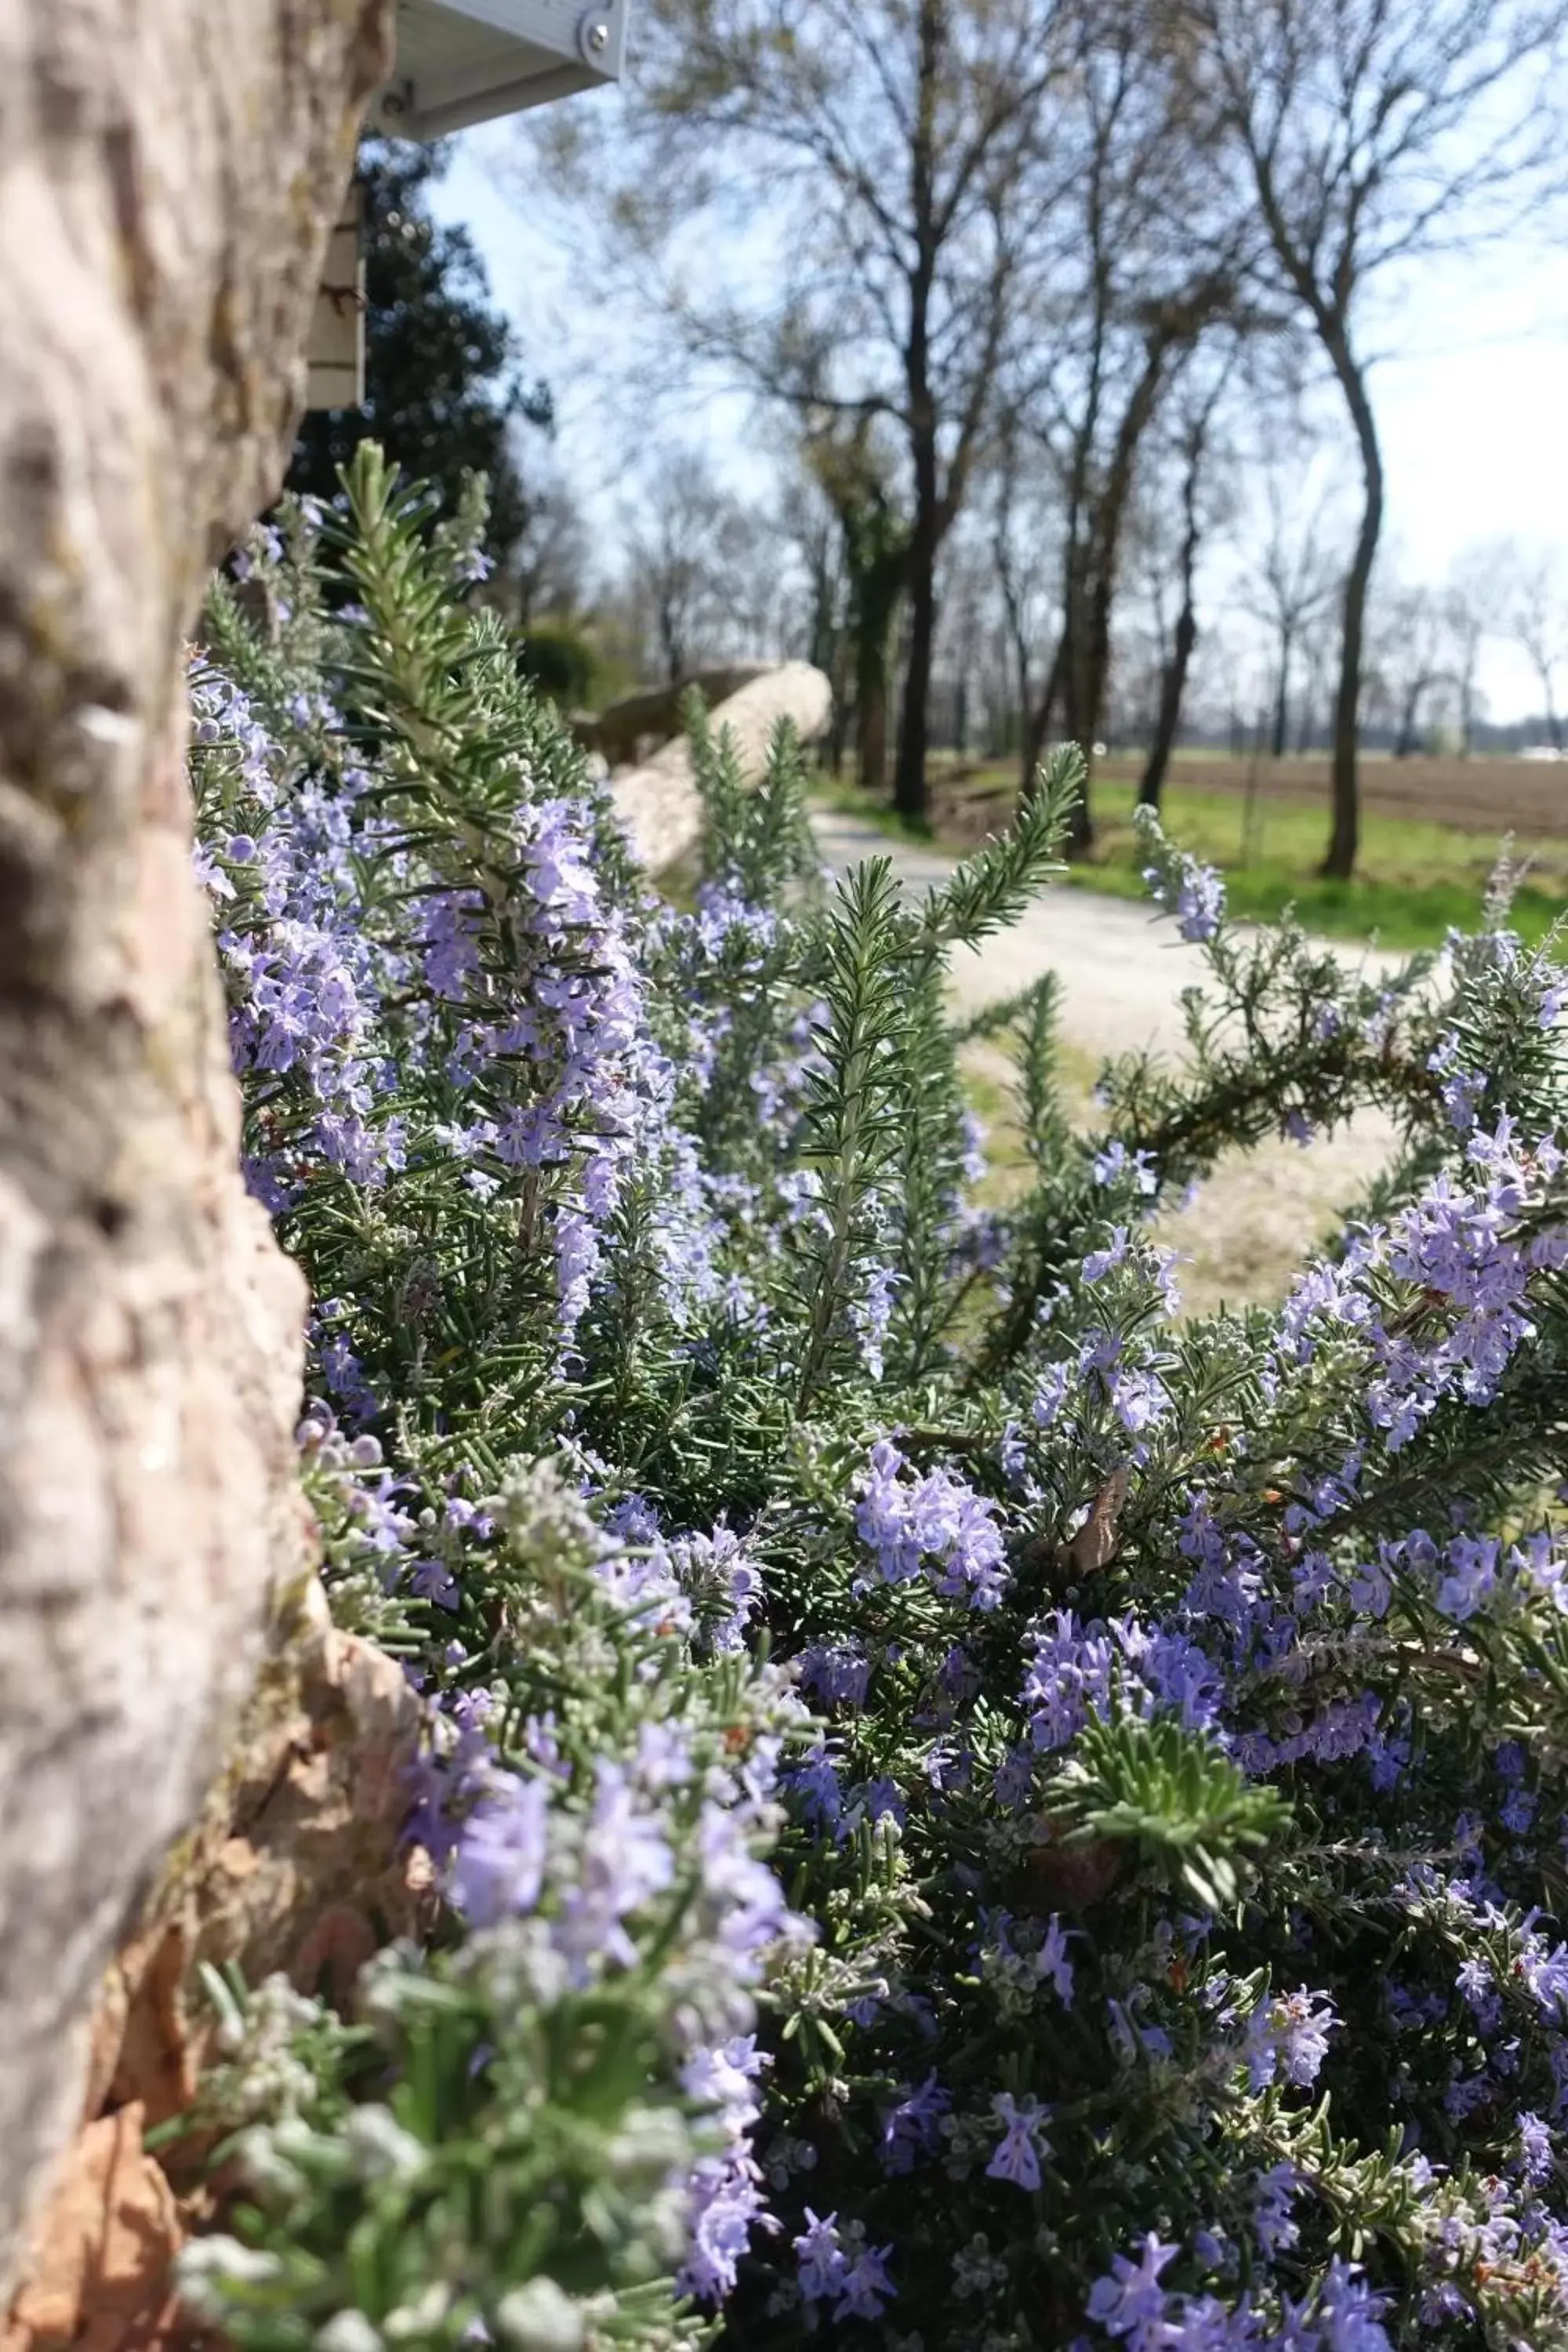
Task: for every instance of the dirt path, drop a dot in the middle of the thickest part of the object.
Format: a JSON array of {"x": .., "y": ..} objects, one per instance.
[{"x": 1122, "y": 971}]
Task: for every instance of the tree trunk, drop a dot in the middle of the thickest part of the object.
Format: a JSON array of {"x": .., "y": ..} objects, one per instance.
[
  {"x": 872, "y": 726},
  {"x": 1037, "y": 721},
  {"x": 1282, "y": 696},
  {"x": 1409, "y": 721},
  {"x": 672, "y": 653},
  {"x": 879, "y": 586},
  {"x": 1017, "y": 641},
  {"x": 837, "y": 729},
  {"x": 1339, "y": 863},
  {"x": 1092, "y": 570},
  {"x": 1098, "y": 651},
  {"x": 172, "y": 170},
  {"x": 910, "y": 792},
  {"x": 1077, "y": 726},
  {"x": 1174, "y": 682},
  {"x": 932, "y": 35},
  {"x": 1307, "y": 729},
  {"x": 1172, "y": 689}
]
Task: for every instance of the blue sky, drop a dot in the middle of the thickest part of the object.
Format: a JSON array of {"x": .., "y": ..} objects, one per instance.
[{"x": 1471, "y": 391}]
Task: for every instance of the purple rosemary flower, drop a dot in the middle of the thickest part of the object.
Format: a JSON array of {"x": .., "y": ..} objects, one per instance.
[
  {"x": 727, "y": 2204},
  {"x": 880, "y": 1801},
  {"x": 1051, "y": 1959},
  {"x": 1288, "y": 2036},
  {"x": 624, "y": 1860},
  {"x": 837, "y": 1671},
  {"x": 1069, "y": 1677},
  {"x": 344, "y": 1376},
  {"x": 497, "y": 1869},
  {"x": 1475, "y": 1982},
  {"x": 937, "y": 1523},
  {"x": 1017, "y": 2156},
  {"x": 912, "y": 2128},
  {"x": 452, "y": 931},
  {"x": 722, "y": 1582},
  {"x": 1535, "y": 2154},
  {"x": 1200, "y": 902},
  {"x": 1348, "y": 2314},
  {"x": 1471, "y": 1578},
  {"x": 1014, "y": 1778},
  {"x": 209, "y": 873},
  {"x": 1139, "y": 1400},
  {"x": 819, "y": 2258},
  {"x": 865, "y": 2288},
  {"x": 1545, "y": 1974},
  {"x": 1272, "y": 2223},
  {"x": 814, "y": 1784},
  {"x": 1102, "y": 1262},
  {"x": 741, "y": 1899},
  {"x": 1050, "y": 1395},
  {"x": 882, "y": 1516},
  {"x": 872, "y": 1314},
  {"x": 1130, "y": 2301},
  {"x": 1195, "y": 894},
  {"x": 1115, "y": 1162}
]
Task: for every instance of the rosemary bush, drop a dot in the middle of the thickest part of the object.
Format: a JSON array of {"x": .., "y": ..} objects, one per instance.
[{"x": 972, "y": 1812}]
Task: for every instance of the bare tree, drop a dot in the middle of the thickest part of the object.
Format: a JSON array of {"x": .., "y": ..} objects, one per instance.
[
  {"x": 1369, "y": 131},
  {"x": 1291, "y": 586},
  {"x": 688, "y": 577},
  {"x": 547, "y": 572},
  {"x": 1475, "y": 603},
  {"x": 1539, "y": 622},
  {"x": 1194, "y": 454},
  {"x": 972, "y": 634},
  {"x": 893, "y": 156},
  {"x": 810, "y": 522},
  {"x": 1026, "y": 567},
  {"x": 1154, "y": 254},
  {"x": 850, "y": 462},
  {"x": 1408, "y": 653}
]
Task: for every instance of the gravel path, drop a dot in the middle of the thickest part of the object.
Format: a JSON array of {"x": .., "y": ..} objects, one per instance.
[{"x": 1121, "y": 972}]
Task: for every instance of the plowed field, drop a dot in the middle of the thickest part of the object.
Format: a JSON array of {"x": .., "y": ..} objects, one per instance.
[{"x": 1528, "y": 797}]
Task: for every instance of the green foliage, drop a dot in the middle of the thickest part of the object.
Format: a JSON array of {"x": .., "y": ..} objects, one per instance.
[
  {"x": 560, "y": 661},
  {"x": 508, "y": 2171},
  {"x": 1173, "y": 1797},
  {"x": 1157, "y": 1724},
  {"x": 1416, "y": 879},
  {"x": 992, "y": 888},
  {"x": 755, "y": 838},
  {"x": 855, "y": 1102}
]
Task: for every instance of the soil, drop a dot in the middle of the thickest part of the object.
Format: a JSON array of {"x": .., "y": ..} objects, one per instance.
[{"x": 1528, "y": 797}]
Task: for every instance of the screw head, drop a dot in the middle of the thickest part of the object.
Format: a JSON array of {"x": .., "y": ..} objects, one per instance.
[{"x": 593, "y": 33}]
